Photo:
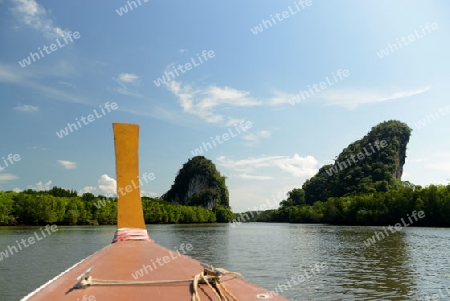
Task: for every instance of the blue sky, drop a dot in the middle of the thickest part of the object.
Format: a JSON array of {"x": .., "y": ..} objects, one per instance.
[{"x": 118, "y": 57}]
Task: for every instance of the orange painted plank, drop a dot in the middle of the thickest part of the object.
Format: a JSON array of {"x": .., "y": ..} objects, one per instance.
[{"x": 129, "y": 204}]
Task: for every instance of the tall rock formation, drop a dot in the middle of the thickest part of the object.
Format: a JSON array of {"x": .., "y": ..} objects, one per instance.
[
  {"x": 373, "y": 163},
  {"x": 199, "y": 183}
]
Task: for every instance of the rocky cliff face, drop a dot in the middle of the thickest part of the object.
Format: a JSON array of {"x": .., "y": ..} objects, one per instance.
[
  {"x": 196, "y": 185},
  {"x": 399, "y": 162},
  {"x": 199, "y": 183}
]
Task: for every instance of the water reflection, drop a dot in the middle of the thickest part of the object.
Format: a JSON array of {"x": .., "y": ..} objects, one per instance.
[
  {"x": 380, "y": 270},
  {"x": 355, "y": 272}
]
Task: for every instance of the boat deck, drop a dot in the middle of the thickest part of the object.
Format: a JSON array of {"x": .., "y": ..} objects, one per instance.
[{"x": 141, "y": 261}]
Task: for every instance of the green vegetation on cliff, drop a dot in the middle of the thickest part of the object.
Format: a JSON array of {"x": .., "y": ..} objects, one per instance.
[
  {"x": 367, "y": 189},
  {"x": 199, "y": 183},
  {"x": 371, "y": 164}
]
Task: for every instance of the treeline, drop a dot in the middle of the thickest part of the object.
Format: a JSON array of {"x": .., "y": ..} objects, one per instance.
[
  {"x": 65, "y": 207},
  {"x": 380, "y": 208}
]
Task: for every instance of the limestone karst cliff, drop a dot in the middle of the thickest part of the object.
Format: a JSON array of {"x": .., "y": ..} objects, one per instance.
[
  {"x": 373, "y": 163},
  {"x": 199, "y": 183}
]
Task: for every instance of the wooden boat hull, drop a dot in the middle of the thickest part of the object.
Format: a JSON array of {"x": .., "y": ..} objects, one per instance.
[{"x": 121, "y": 260}]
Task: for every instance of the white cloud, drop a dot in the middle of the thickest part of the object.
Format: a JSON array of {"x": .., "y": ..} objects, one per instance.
[
  {"x": 207, "y": 102},
  {"x": 204, "y": 102},
  {"x": 67, "y": 84},
  {"x": 125, "y": 80},
  {"x": 26, "y": 108},
  {"x": 296, "y": 165},
  {"x": 4, "y": 177},
  {"x": 39, "y": 186},
  {"x": 107, "y": 185},
  {"x": 90, "y": 189},
  {"x": 253, "y": 177},
  {"x": 352, "y": 98},
  {"x": 234, "y": 121},
  {"x": 148, "y": 194},
  {"x": 183, "y": 50},
  {"x": 30, "y": 13},
  {"x": 253, "y": 137},
  {"x": 129, "y": 78},
  {"x": 67, "y": 164},
  {"x": 38, "y": 148},
  {"x": 281, "y": 98},
  {"x": 17, "y": 189}
]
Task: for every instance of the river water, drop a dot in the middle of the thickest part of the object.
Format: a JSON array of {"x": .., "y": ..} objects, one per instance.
[{"x": 327, "y": 262}]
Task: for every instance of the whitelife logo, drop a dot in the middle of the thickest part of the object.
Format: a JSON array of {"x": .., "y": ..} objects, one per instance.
[
  {"x": 124, "y": 9},
  {"x": 360, "y": 156},
  {"x": 411, "y": 38},
  {"x": 322, "y": 86},
  {"x": 398, "y": 227},
  {"x": 284, "y": 15},
  {"x": 11, "y": 158},
  {"x": 168, "y": 74},
  {"x": 27, "y": 61},
  {"x": 204, "y": 147},
  {"x": 13, "y": 249},
  {"x": 166, "y": 259},
  {"x": 91, "y": 118}
]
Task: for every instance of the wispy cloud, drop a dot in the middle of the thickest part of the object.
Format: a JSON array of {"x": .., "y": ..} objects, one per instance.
[
  {"x": 67, "y": 164},
  {"x": 280, "y": 98},
  {"x": 4, "y": 177},
  {"x": 253, "y": 177},
  {"x": 30, "y": 13},
  {"x": 67, "y": 84},
  {"x": 204, "y": 102},
  {"x": 352, "y": 98},
  {"x": 125, "y": 80},
  {"x": 38, "y": 148},
  {"x": 296, "y": 166},
  {"x": 18, "y": 77},
  {"x": 128, "y": 78},
  {"x": 183, "y": 50},
  {"x": 26, "y": 108},
  {"x": 234, "y": 121},
  {"x": 254, "y": 137}
]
